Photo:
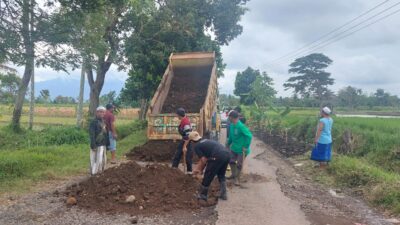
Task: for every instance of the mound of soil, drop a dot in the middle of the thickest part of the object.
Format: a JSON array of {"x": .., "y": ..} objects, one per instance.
[
  {"x": 154, "y": 151},
  {"x": 188, "y": 89},
  {"x": 157, "y": 189},
  {"x": 288, "y": 149}
]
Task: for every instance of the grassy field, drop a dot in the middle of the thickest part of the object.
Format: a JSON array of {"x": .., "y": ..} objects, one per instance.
[
  {"x": 372, "y": 169},
  {"x": 64, "y": 111},
  {"x": 56, "y": 115},
  {"x": 41, "y": 121},
  {"x": 23, "y": 164}
]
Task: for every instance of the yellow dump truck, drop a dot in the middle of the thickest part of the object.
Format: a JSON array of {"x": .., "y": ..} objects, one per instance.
[{"x": 190, "y": 82}]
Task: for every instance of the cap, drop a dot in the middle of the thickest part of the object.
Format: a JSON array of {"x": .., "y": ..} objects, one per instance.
[
  {"x": 109, "y": 106},
  {"x": 326, "y": 110},
  {"x": 100, "y": 108},
  {"x": 180, "y": 112},
  {"x": 234, "y": 114},
  {"x": 194, "y": 136}
]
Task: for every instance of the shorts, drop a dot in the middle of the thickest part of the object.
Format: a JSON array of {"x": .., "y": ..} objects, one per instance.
[{"x": 113, "y": 143}]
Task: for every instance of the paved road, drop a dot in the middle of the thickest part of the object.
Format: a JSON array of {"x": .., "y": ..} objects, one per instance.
[{"x": 259, "y": 202}]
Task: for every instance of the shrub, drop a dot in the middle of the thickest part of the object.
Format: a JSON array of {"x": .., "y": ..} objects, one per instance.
[
  {"x": 64, "y": 135},
  {"x": 125, "y": 130}
]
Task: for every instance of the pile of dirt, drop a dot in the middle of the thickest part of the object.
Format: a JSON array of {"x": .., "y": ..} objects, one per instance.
[
  {"x": 288, "y": 149},
  {"x": 188, "y": 89},
  {"x": 157, "y": 189},
  {"x": 154, "y": 151}
]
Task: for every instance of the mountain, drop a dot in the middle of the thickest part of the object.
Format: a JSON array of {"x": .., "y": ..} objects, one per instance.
[{"x": 70, "y": 87}]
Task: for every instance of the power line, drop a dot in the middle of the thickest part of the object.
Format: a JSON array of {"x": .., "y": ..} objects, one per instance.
[
  {"x": 355, "y": 31},
  {"x": 348, "y": 29},
  {"x": 331, "y": 32}
]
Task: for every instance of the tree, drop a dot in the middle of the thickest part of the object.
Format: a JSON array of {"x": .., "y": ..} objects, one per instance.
[
  {"x": 176, "y": 26},
  {"x": 9, "y": 84},
  {"x": 97, "y": 30},
  {"x": 243, "y": 85},
  {"x": 350, "y": 97},
  {"x": 64, "y": 100},
  {"x": 228, "y": 100},
  {"x": 110, "y": 97},
  {"x": 44, "y": 96},
  {"x": 313, "y": 80},
  {"x": 262, "y": 91},
  {"x": 21, "y": 29},
  {"x": 382, "y": 98}
]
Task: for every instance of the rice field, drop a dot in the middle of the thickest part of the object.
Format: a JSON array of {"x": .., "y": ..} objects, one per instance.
[{"x": 59, "y": 115}]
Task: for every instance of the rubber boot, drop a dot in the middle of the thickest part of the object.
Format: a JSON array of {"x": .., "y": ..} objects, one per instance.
[
  {"x": 236, "y": 181},
  {"x": 222, "y": 191},
  {"x": 203, "y": 193},
  {"x": 233, "y": 172}
]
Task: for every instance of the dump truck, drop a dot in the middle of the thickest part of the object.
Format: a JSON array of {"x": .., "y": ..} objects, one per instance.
[{"x": 190, "y": 82}]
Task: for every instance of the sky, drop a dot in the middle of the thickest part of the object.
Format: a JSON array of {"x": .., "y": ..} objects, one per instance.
[{"x": 368, "y": 59}]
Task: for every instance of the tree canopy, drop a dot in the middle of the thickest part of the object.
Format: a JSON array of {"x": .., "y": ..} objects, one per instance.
[
  {"x": 262, "y": 90},
  {"x": 177, "y": 26},
  {"x": 312, "y": 79},
  {"x": 243, "y": 85},
  {"x": 9, "y": 84}
]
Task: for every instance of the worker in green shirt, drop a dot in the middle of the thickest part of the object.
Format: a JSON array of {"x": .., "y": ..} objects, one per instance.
[{"x": 239, "y": 144}]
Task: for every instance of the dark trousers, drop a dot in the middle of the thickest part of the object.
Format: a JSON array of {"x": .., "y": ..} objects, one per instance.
[
  {"x": 216, "y": 167},
  {"x": 179, "y": 153},
  {"x": 237, "y": 159}
]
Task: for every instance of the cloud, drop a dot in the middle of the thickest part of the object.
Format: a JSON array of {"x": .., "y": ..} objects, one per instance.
[{"x": 366, "y": 59}]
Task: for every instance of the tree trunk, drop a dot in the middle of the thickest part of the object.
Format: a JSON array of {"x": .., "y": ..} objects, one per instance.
[
  {"x": 32, "y": 102},
  {"x": 96, "y": 86},
  {"x": 94, "y": 100},
  {"x": 19, "y": 101},
  {"x": 144, "y": 104},
  {"x": 79, "y": 113},
  {"x": 27, "y": 28}
]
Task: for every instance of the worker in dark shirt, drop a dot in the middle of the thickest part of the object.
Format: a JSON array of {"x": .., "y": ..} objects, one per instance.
[
  {"x": 184, "y": 147},
  {"x": 215, "y": 158},
  {"x": 98, "y": 142}
]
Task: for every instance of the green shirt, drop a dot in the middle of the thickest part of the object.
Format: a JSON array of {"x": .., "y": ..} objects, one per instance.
[{"x": 239, "y": 138}]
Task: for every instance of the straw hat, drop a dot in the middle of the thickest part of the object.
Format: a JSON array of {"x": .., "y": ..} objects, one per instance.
[{"x": 194, "y": 136}]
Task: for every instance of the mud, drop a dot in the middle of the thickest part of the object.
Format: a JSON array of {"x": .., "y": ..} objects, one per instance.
[
  {"x": 188, "y": 89},
  {"x": 158, "y": 190},
  {"x": 287, "y": 147},
  {"x": 154, "y": 151},
  {"x": 253, "y": 178}
]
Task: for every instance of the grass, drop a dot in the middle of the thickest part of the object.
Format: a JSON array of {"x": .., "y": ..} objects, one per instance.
[
  {"x": 23, "y": 168},
  {"x": 64, "y": 111},
  {"x": 52, "y": 120},
  {"x": 372, "y": 168},
  {"x": 377, "y": 185}
]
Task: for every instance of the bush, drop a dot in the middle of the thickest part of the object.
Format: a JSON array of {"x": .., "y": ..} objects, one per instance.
[
  {"x": 64, "y": 135},
  {"x": 378, "y": 186},
  {"x": 46, "y": 137},
  {"x": 125, "y": 130}
]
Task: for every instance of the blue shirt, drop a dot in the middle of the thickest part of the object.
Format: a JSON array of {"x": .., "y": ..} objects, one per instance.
[{"x": 326, "y": 134}]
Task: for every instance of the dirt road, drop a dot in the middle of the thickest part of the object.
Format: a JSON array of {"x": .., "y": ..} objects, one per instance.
[
  {"x": 274, "y": 193},
  {"x": 289, "y": 197}
]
